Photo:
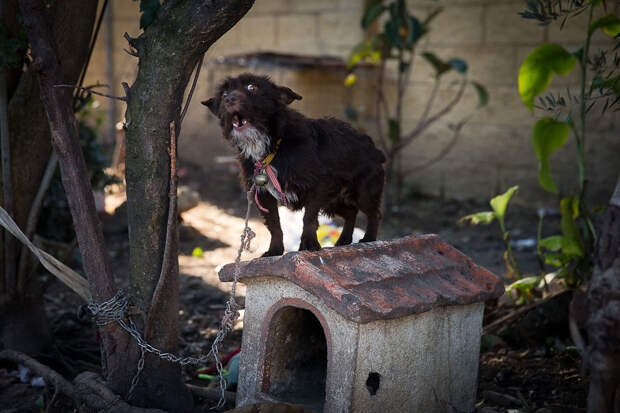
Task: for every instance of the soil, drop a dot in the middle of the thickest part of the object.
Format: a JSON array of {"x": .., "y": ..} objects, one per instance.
[{"x": 518, "y": 372}]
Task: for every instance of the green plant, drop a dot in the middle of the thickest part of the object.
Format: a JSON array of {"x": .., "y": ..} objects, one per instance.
[
  {"x": 572, "y": 250},
  {"x": 499, "y": 204},
  {"x": 396, "y": 41}
]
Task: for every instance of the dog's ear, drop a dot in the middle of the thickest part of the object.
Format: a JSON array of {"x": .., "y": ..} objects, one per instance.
[
  {"x": 287, "y": 96},
  {"x": 212, "y": 105}
]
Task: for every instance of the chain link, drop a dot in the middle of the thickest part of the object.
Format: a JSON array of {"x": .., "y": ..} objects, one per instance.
[{"x": 115, "y": 310}]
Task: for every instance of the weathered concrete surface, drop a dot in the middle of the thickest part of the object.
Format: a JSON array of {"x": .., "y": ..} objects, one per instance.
[
  {"x": 261, "y": 295},
  {"x": 382, "y": 279},
  {"x": 427, "y": 362}
]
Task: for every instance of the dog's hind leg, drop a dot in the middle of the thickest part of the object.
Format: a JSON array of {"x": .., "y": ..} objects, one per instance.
[
  {"x": 309, "y": 240},
  {"x": 349, "y": 214},
  {"x": 370, "y": 204},
  {"x": 272, "y": 221}
]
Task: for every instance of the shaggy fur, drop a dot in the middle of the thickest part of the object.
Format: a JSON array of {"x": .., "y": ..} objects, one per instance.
[{"x": 321, "y": 164}]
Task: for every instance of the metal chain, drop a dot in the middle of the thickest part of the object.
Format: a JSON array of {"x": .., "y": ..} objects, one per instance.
[
  {"x": 115, "y": 310},
  {"x": 231, "y": 314},
  {"x": 136, "y": 377}
]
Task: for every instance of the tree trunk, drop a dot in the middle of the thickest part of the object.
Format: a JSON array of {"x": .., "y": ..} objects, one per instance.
[
  {"x": 599, "y": 312},
  {"x": 168, "y": 50},
  {"x": 40, "y": 23},
  {"x": 23, "y": 324}
]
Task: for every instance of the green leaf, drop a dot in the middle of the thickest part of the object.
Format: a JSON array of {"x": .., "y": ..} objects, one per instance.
[
  {"x": 526, "y": 284},
  {"x": 538, "y": 68},
  {"x": 547, "y": 136},
  {"x": 197, "y": 252},
  {"x": 568, "y": 245},
  {"x": 440, "y": 66},
  {"x": 483, "y": 94},
  {"x": 372, "y": 13},
  {"x": 458, "y": 64},
  {"x": 553, "y": 243},
  {"x": 391, "y": 29},
  {"x": 569, "y": 208},
  {"x": 609, "y": 23},
  {"x": 485, "y": 217},
  {"x": 364, "y": 52},
  {"x": 414, "y": 31},
  {"x": 431, "y": 16},
  {"x": 500, "y": 202},
  {"x": 149, "y": 9},
  {"x": 612, "y": 84}
]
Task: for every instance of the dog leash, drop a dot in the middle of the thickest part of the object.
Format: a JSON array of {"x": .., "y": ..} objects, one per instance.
[{"x": 263, "y": 174}]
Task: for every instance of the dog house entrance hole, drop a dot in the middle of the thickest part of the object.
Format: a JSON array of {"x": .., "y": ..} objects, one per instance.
[{"x": 296, "y": 358}]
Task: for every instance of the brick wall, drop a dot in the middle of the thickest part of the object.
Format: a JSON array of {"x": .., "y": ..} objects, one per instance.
[{"x": 494, "y": 150}]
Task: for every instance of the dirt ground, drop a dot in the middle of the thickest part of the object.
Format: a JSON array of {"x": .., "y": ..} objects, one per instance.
[{"x": 519, "y": 373}]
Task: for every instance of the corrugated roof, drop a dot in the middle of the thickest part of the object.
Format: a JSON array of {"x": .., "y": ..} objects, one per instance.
[{"x": 382, "y": 279}]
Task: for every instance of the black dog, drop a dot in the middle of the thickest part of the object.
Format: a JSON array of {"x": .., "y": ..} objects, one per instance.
[{"x": 316, "y": 164}]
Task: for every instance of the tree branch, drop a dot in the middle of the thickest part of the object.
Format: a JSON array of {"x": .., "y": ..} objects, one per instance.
[
  {"x": 75, "y": 179},
  {"x": 50, "y": 376},
  {"x": 422, "y": 126},
  {"x": 66, "y": 142},
  {"x": 90, "y": 90},
  {"x": 170, "y": 262},
  {"x": 9, "y": 248},
  {"x": 378, "y": 103},
  {"x": 446, "y": 150},
  {"x": 33, "y": 218}
]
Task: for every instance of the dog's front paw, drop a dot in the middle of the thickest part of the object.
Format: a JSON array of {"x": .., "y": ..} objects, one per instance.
[{"x": 309, "y": 244}]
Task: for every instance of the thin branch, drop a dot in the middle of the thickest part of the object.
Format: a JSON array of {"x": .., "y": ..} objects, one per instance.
[
  {"x": 510, "y": 317},
  {"x": 50, "y": 376},
  {"x": 446, "y": 149},
  {"x": 33, "y": 217},
  {"x": 191, "y": 91},
  {"x": 378, "y": 102},
  {"x": 131, "y": 53},
  {"x": 10, "y": 272},
  {"x": 170, "y": 252},
  {"x": 126, "y": 88},
  {"x": 420, "y": 128},
  {"x": 431, "y": 101},
  {"x": 133, "y": 41},
  {"x": 91, "y": 47},
  {"x": 400, "y": 91},
  {"x": 89, "y": 90}
]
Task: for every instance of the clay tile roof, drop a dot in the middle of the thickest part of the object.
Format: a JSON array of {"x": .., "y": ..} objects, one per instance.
[{"x": 380, "y": 280}]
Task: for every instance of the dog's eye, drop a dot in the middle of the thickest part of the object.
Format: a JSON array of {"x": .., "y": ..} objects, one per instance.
[{"x": 252, "y": 88}]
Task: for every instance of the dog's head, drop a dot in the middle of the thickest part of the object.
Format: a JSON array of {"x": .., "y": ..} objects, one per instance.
[{"x": 246, "y": 106}]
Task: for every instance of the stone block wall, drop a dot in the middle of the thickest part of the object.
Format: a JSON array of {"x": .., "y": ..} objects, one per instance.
[{"x": 494, "y": 150}]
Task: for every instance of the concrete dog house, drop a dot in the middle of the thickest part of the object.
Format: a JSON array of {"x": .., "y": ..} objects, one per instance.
[{"x": 376, "y": 327}]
